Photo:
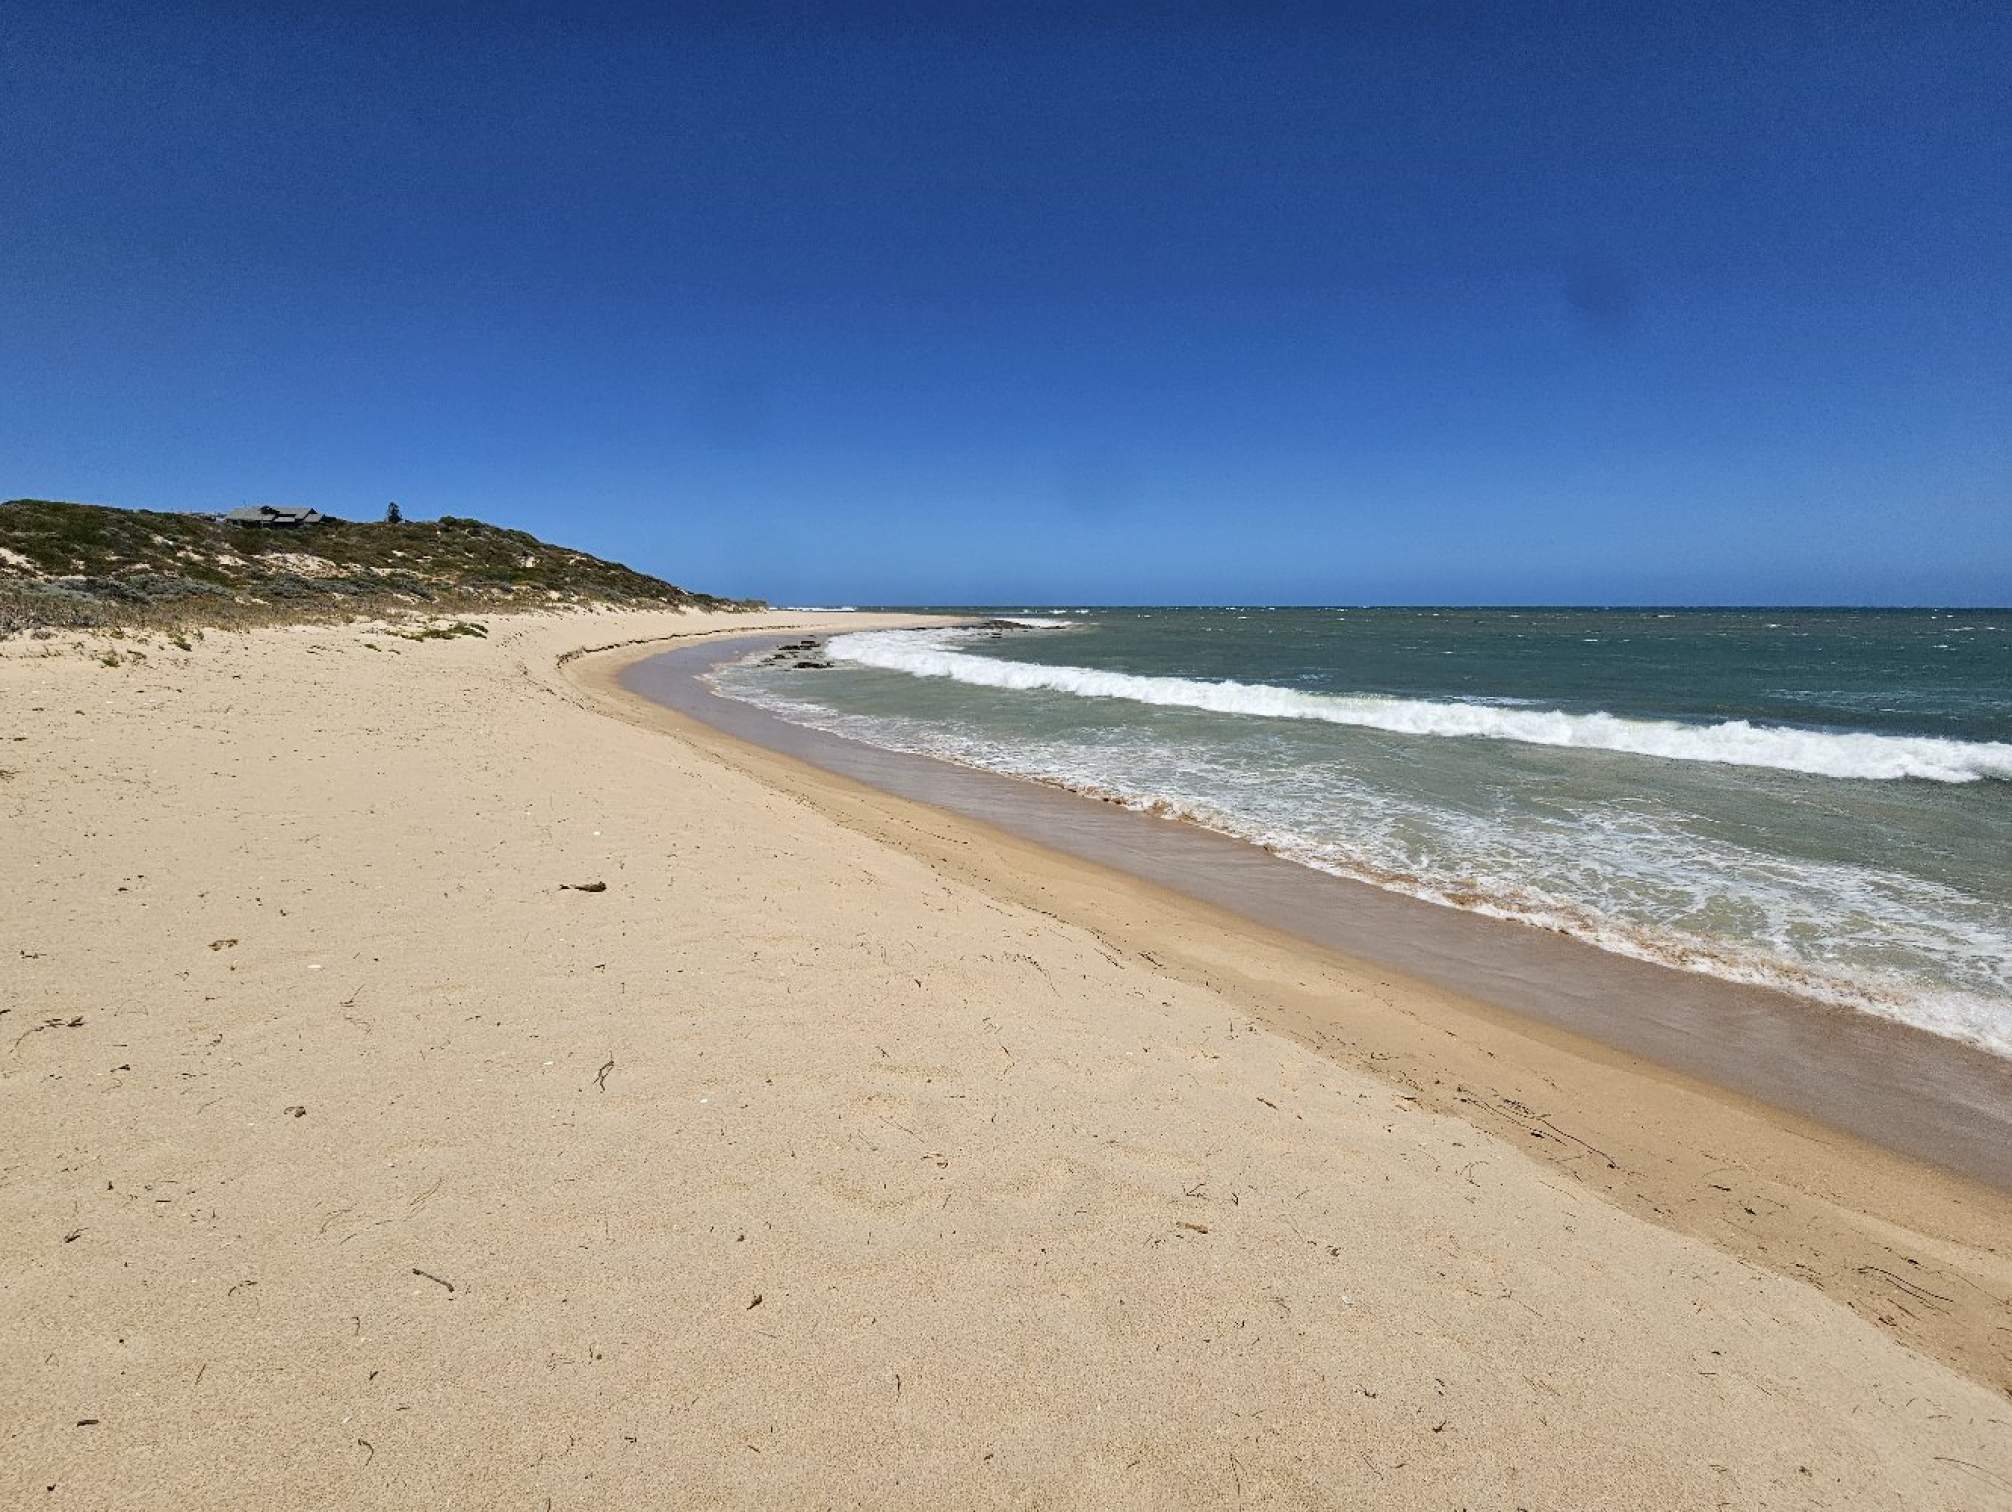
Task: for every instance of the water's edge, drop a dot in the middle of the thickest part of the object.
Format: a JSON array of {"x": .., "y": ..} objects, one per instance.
[{"x": 1935, "y": 1099}]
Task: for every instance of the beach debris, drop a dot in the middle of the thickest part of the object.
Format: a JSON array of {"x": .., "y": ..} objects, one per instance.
[
  {"x": 1537, "y": 1125},
  {"x": 1920, "y": 1294},
  {"x": 1987, "y": 1476},
  {"x": 426, "y": 1196},
  {"x": 601, "y": 1076},
  {"x": 297, "y": 1110},
  {"x": 223, "y": 944},
  {"x": 1198, "y": 1228},
  {"x": 754, "y": 1304},
  {"x": 436, "y": 1280},
  {"x": 55, "y": 1022},
  {"x": 1612, "y": 1164},
  {"x": 589, "y": 887}
]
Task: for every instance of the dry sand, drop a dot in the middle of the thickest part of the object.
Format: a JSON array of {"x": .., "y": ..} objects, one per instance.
[{"x": 822, "y": 1159}]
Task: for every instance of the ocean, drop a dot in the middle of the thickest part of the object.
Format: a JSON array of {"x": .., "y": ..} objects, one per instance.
[{"x": 1812, "y": 800}]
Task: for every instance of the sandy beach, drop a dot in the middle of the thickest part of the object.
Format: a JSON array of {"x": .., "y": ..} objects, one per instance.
[{"x": 432, "y": 1075}]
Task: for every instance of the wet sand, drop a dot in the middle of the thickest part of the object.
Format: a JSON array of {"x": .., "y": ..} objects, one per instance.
[{"x": 1916, "y": 1093}]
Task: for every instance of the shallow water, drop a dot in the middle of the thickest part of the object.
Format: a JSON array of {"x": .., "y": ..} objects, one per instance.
[{"x": 1812, "y": 800}]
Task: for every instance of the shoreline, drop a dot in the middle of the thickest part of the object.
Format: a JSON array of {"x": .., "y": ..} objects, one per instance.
[
  {"x": 1659, "y": 1139},
  {"x": 1491, "y": 875},
  {"x": 1932, "y": 1097},
  {"x": 425, "y": 1083}
]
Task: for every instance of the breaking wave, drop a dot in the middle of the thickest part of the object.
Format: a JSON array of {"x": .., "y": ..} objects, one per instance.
[{"x": 1820, "y": 753}]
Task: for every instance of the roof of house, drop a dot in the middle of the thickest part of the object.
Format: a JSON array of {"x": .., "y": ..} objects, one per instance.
[{"x": 273, "y": 514}]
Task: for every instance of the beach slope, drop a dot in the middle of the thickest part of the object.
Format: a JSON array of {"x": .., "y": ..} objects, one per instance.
[{"x": 421, "y": 1088}]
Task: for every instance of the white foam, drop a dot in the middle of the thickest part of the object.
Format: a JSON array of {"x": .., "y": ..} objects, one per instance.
[
  {"x": 1899, "y": 947},
  {"x": 1821, "y": 753}
]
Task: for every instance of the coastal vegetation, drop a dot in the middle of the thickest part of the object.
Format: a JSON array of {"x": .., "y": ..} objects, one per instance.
[{"x": 87, "y": 566}]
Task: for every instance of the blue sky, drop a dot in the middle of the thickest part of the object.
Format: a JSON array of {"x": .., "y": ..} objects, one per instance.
[{"x": 1046, "y": 303}]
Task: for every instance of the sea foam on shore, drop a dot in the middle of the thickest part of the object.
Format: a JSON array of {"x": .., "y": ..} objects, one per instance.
[{"x": 1852, "y": 865}]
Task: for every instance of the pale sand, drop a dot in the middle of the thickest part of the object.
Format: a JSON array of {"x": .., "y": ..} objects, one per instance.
[{"x": 1030, "y": 1219}]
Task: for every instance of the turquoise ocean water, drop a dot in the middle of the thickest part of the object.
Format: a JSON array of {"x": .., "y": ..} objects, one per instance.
[{"x": 1818, "y": 800}]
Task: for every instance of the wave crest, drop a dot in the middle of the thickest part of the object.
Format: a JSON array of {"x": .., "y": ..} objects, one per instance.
[{"x": 1821, "y": 753}]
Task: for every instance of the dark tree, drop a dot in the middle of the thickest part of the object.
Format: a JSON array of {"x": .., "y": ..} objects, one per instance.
[{"x": 391, "y": 514}]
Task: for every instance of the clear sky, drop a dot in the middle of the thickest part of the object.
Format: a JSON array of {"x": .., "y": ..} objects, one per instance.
[{"x": 1046, "y": 304}]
